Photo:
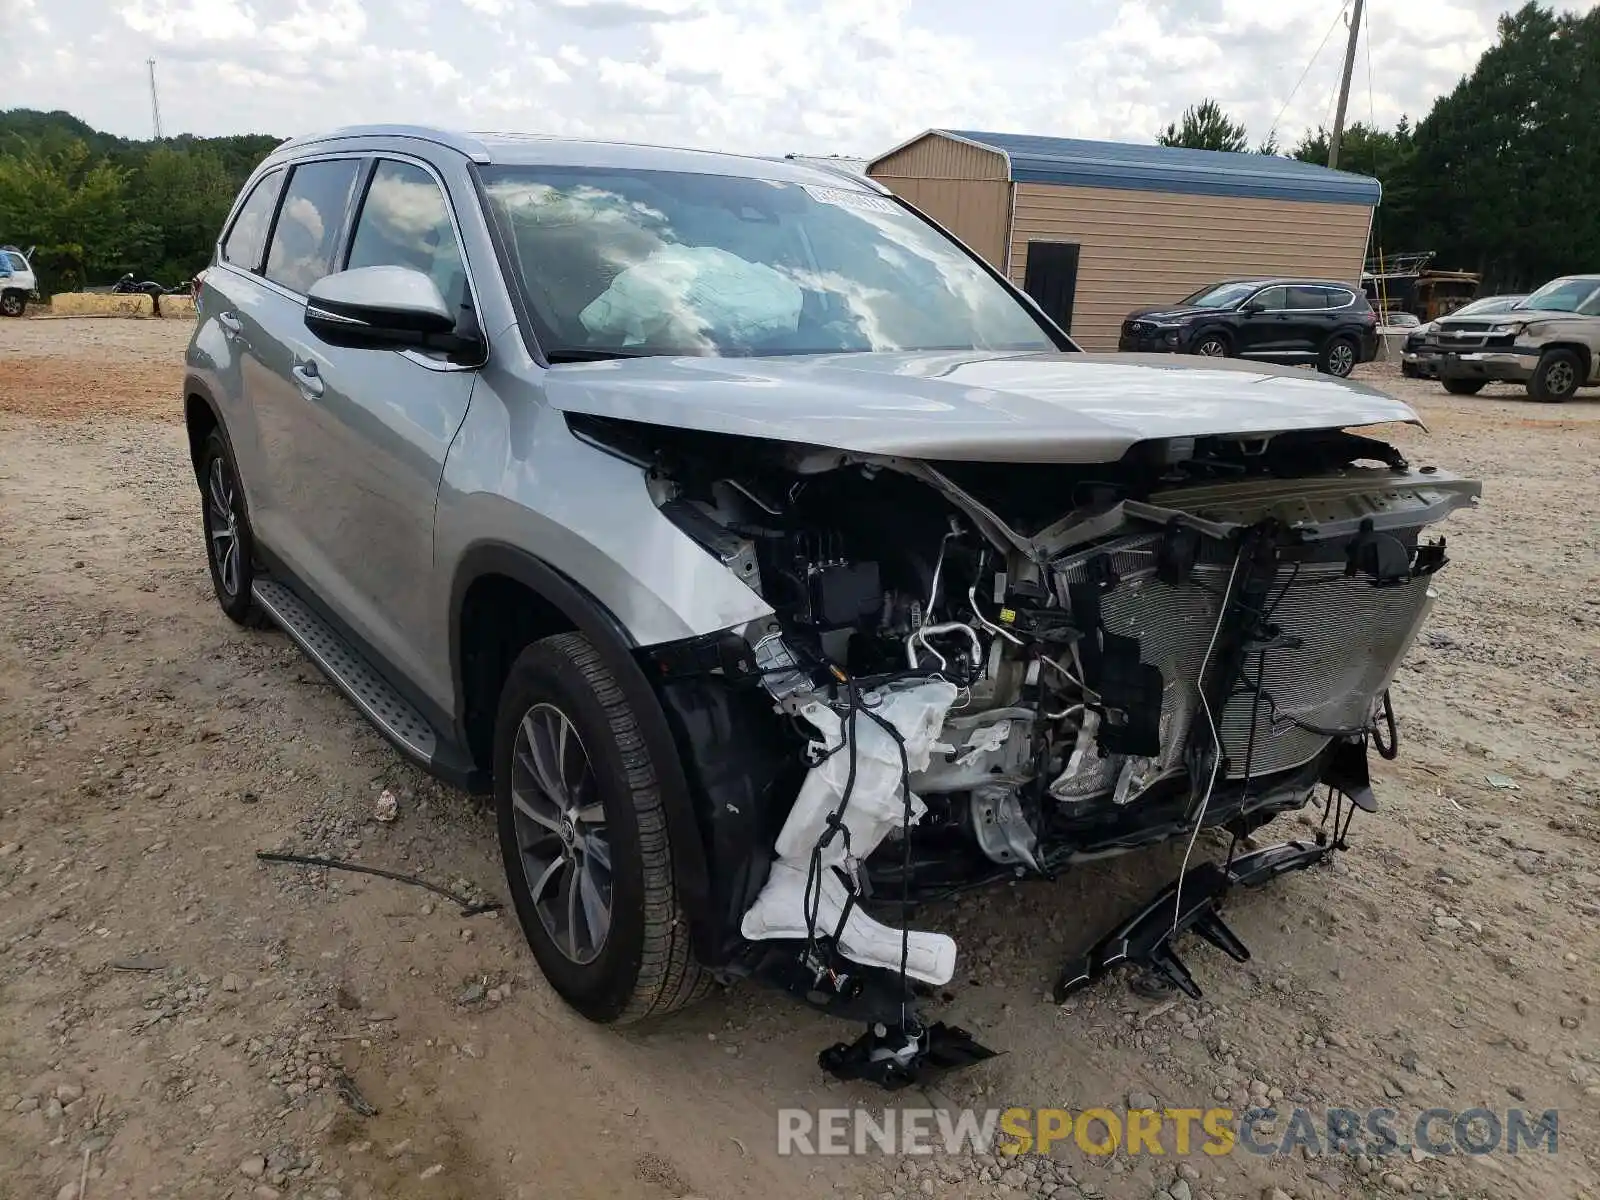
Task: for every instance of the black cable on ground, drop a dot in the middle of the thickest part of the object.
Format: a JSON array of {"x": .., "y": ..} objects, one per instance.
[{"x": 468, "y": 908}]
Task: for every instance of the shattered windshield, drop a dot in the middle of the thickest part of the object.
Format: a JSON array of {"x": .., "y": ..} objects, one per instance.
[
  {"x": 1567, "y": 295},
  {"x": 628, "y": 262}
]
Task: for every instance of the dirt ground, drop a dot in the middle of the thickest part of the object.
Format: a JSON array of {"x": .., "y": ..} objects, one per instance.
[{"x": 177, "y": 1019}]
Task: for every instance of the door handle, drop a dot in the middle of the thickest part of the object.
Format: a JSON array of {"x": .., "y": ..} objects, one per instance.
[
  {"x": 231, "y": 325},
  {"x": 307, "y": 379}
]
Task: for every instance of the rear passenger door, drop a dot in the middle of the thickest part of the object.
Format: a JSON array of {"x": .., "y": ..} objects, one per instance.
[
  {"x": 228, "y": 328},
  {"x": 306, "y": 240},
  {"x": 1309, "y": 321},
  {"x": 378, "y": 423}
]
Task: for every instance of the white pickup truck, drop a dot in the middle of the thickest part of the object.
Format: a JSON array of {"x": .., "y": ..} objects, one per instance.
[{"x": 17, "y": 281}]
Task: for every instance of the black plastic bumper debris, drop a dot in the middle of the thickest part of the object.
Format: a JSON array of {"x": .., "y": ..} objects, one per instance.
[
  {"x": 894, "y": 1057},
  {"x": 1146, "y": 939}
]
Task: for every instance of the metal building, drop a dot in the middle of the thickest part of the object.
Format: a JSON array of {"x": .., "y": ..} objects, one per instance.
[{"x": 1094, "y": 229}]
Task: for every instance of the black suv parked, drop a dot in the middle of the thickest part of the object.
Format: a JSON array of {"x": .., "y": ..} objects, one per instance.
[{"x": 1280, "y": 320}]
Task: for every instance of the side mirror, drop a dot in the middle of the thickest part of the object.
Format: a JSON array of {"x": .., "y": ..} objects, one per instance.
[
  {"x": 1253, "y": 307},
  {"x": 384, "y": 308}
]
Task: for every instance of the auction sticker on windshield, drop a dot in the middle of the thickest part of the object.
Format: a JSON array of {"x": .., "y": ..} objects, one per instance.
[{"x": 850, "y": 198}]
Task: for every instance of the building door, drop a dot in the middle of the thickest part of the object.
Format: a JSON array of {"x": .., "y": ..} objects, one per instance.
[{"x": 1051, "y": 278}]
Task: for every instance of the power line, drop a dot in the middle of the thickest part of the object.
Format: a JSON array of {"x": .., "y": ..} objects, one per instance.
[{"x": 1311, "y": 63}]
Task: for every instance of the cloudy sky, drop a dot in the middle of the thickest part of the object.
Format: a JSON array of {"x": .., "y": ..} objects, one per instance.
[{"x": 766, "y": 76}]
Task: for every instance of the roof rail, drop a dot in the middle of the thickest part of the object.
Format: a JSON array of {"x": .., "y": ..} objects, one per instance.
[{"x": 462, "y": 143}]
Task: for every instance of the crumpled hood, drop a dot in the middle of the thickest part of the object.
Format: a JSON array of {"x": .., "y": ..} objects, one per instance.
[{"x": 973, "y": 406}]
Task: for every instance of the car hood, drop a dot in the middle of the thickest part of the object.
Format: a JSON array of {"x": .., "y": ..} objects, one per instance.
[
  {"x": 973, "y": 406},
  {"x": 1171, "y": 312},
  {"x": 1525, "y": 315}
]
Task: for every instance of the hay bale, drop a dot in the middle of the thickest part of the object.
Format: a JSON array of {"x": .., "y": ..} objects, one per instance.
[
  {"x": 177, "y": 306},
  {"x": 100, "y": 304}
]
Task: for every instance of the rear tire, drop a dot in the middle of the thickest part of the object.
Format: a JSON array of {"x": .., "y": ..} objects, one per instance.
[
  {"x": 1557, "y": 377},
  {"x": 13, "y": 304},
  {"x": 1338, "y": 357},
  {"x": 583, "y": 833},
  {"x": 230, "y": 545},
  {"x": 1464, "y": 387}
]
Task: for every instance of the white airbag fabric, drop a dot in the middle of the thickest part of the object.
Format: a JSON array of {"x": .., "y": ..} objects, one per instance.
[
  {"x": 700, "y": 288},
  {"x": 876, "y": 806}
]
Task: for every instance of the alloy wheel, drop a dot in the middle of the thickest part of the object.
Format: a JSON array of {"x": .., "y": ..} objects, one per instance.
[
  {"x": 1212, "y": 348},
  {"x": 1341, "y": 359},
  {"x": 561, "y": 832},
  {"x": 11, "y": 305},
  {"x": 222, "y": 526}
]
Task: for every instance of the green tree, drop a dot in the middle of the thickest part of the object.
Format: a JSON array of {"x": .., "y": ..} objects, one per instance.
[
  {"x": 1503, "y": 167},
  {"x": 1205, "y": 127},
  {"x": 98, "y": 205},
  {"x": 69, "y": 204}
]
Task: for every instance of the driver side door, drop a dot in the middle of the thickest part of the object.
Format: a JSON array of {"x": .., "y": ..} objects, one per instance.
[{"x": 1264, "y": 333}]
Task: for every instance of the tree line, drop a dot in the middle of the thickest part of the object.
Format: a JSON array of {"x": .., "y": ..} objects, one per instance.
[
  {"x": 1499, "y": 177},
  {"x": 97, "y": 206}
]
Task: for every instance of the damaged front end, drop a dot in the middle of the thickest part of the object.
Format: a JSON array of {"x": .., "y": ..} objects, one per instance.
[{"x": 976, "y": 672}]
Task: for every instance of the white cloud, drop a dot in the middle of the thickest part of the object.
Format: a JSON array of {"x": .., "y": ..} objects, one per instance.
[{"x": 766, "y": 76}]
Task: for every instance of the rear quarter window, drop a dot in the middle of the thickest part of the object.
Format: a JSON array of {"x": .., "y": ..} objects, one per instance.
[{"x": 247, "y": 238}]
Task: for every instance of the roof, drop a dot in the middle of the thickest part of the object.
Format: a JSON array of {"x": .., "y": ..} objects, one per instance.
[
  {"x": 1290, "y": 280},
  {"x": 1079, "y": 163},
  {"x": 531, "y": 149},
  {"x": 831, "y": 162}
]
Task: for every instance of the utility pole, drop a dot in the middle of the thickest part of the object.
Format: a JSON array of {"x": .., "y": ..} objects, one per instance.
[
  {"x": 1344, "y": 85},
  {"x": 155, "y": 103}
]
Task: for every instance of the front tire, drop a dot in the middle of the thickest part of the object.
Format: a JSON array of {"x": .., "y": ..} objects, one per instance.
[
  {"x": 1338, "y": 358},
  {"x": 1212, "y": 345},
  {"x": 1557, "y": 377},
  {"x": 583, "y": 833},
  {"x": 1464, "y": 387},
  {"x": 230, "y": 546},
  {"x": 13, "y": 304}
]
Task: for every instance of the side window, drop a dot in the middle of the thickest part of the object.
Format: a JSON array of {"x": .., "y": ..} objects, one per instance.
[
  {"x": 310, "y": 223},
  {"x": 1273, "y": 299},
  {"x": 1308, "y": 297},
  {"x": 248, "y": 237},
  {"x": 1338, "y": 298},
  {"x": 405, "y": 222}
]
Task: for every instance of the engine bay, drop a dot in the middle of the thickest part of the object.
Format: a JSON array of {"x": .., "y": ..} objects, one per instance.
[{"x": 1069, "y": 660}]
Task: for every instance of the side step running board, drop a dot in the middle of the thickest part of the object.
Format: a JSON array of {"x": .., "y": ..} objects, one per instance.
[{"x": 396, "y": 718}]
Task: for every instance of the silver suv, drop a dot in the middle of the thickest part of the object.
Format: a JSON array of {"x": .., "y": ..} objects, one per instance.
[{"x": 769, "y": 557}]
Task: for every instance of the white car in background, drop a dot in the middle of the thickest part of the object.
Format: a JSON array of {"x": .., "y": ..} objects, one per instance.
[{"x": 17, "y": 281}]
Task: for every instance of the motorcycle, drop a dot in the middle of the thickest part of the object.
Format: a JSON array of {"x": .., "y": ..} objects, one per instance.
[{"x": 128, "y": 285}]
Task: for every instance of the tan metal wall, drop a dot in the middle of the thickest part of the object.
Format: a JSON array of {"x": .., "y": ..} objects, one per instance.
[
  {"x": 1142, "y": 248},
  {"x": 934, "y": 156},
  {"x": 964, "y": 188}
]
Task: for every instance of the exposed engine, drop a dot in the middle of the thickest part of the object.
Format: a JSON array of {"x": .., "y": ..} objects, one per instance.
[{"x": 1196, "y": 635}]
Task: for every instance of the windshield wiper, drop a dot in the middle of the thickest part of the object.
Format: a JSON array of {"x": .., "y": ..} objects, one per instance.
[{"x": 578, "y": 354}]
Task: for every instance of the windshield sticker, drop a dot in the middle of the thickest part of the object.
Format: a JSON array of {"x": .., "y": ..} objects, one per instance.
[{"x": 850, "y": 198}]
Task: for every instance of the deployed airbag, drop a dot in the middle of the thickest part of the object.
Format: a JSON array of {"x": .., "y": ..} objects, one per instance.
[
  {"x": 874, "y": 807},
  {"x": 700, "y": 288}
]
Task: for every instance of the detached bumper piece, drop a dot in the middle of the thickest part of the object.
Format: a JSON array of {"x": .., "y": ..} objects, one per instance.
[
  {"x": 1146, "y": 939},
  {"x": 897, "y": 1056}
]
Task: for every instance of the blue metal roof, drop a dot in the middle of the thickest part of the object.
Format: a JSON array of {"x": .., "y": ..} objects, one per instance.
[{"x": 1170, "y": 169}]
